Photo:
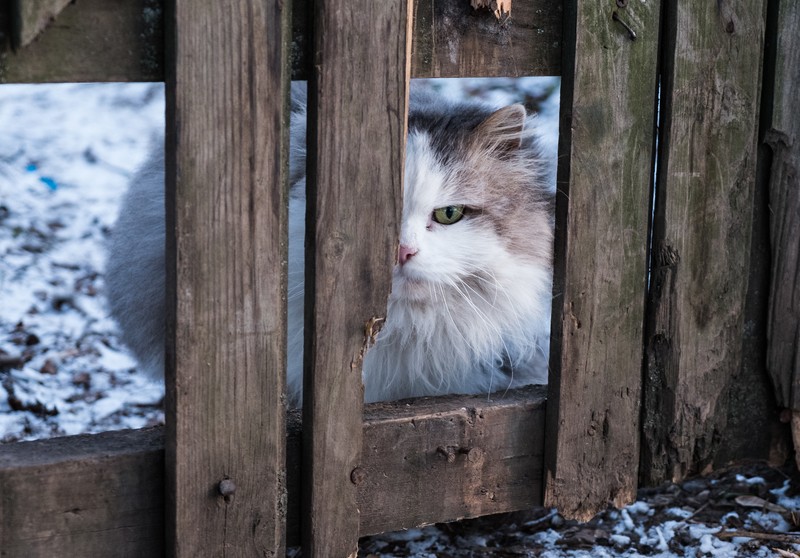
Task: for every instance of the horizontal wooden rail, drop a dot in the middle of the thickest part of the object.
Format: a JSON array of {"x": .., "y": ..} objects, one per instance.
[
  {"x": 123, "y": 40},
  {"x": 423, "y": 461}
]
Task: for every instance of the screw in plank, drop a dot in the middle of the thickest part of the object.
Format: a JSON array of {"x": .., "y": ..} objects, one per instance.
[
  {"x": 226, "y": 488},
  {"x": 358, "y": 475},
  {"x": 631, "y": 32}
]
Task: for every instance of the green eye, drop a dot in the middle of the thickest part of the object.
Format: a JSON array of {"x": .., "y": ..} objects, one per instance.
[{"x": 448, "y": 215}]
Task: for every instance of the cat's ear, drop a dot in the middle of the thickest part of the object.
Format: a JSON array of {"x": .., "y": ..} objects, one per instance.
[{"x": 502, "y": 131}]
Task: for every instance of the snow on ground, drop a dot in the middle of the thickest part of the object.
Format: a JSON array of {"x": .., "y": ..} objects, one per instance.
[{"x": 66, "y": 154}]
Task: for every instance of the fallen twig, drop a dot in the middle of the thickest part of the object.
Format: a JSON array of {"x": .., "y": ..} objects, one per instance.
[{"x": 777, "y": 537}]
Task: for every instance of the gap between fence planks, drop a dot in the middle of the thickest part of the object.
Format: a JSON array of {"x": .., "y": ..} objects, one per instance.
[
  {"x": 103, "y": 494},
  {"x": 602, "y": 214},
  {"x": 783, "y": 139},
  {"x": 122, "y": 40},
  {"x": 701, "y": 236},
  {"x": 227, "y": 166},
  {"x": 358, "y": 102}
]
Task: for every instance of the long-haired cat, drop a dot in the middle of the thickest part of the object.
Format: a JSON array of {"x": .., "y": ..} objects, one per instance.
[{"x": 469, "y": 310}]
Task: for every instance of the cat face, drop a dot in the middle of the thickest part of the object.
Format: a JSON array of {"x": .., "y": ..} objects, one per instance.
[
  {"x": 470, "y": 208},
  {"x": 442, "y": 236}
]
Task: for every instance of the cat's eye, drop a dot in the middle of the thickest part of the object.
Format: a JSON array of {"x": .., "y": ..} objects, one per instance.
[{"x": 448, "y": 215}]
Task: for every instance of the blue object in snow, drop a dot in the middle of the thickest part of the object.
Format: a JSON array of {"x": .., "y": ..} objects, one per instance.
[
  {"x": 46, "y": 180},
  {"x": 52, "y": 184}
]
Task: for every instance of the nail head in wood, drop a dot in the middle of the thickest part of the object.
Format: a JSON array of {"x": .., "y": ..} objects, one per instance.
[
  {"x": 227, "y": 487},
  {"x": 358, "y": 475}
]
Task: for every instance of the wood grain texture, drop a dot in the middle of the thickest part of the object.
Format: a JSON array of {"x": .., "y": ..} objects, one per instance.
[
  {"x": 602, "y": 214},
  {"x": 122, "y": 40},
  {"x": 358, "y": 96},
  {"x": 451, "y": 458},
  {"x": 227, "y": 157},
  {"x": 89, "y": 495},
  {"x": 702, "y": 228},
  {"x": 783, "y": 137},
  {"x": 93, "y": 40},
  {"x": 103, "y": 495},
  {"x": 452, "y": 39}
]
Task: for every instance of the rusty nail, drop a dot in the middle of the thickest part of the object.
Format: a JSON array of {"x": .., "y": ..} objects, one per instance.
[
  {"x": 358, "y": 475},
  {"x": 447, "y": 452},
  {"x": 631, "y": 32},
  {"x": 226, "y": 487}
]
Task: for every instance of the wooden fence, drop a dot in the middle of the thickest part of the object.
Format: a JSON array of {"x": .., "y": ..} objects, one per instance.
[{"x": 665, "y": 310}]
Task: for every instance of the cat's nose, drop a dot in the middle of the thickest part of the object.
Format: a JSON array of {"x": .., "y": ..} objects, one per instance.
[{"x": 405, "y": 253}]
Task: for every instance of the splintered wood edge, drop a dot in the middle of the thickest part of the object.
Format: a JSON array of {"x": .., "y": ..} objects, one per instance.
[
  {"x": 498, "y": 7},
  {"x": 31, "y": 473}
]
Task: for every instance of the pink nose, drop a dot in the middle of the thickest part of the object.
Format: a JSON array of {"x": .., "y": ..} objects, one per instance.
[{"x": 405, "y": 254}]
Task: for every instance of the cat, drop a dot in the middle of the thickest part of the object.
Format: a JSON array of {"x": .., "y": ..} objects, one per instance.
[{"x": 469, "y": 310}]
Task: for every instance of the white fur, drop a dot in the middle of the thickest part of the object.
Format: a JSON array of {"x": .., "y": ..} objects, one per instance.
[{"x": 441, "y": 336}]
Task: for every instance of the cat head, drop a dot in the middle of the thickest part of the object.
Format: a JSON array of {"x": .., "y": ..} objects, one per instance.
[{"x": 476, "y": 205}]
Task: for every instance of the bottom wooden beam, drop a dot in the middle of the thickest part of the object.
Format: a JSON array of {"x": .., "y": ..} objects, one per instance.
[
  {"x": 90, "y": 495},
  {"x": 423, "y": 461}
]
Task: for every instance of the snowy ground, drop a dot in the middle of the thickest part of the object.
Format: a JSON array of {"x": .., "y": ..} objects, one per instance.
[{"x": 66, "y": 154}]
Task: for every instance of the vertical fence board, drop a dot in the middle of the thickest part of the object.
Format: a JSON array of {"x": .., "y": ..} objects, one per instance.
[
  {"x": 701, "y": 236},
  {"x": 607, "y": 129},
  {"x": 357, "y": 106},
  {"x": 783, "y": 138},
  {"x": 227, "y": 86}
]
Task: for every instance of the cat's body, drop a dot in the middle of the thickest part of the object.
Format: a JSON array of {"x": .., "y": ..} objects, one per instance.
[{"x": 469, "y": 310}]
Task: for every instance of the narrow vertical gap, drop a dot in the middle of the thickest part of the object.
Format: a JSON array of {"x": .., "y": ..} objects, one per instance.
[
  {"x": 651, "y": 426},
  {"x": 309, "y": 280},
  {"x": 752, "y": 408},
  {"x": 568, "y": 40},
  {"x": 171, "y": 277}
]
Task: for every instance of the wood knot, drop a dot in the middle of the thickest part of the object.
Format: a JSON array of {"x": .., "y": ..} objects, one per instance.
[{"x": 474, "y": 455}]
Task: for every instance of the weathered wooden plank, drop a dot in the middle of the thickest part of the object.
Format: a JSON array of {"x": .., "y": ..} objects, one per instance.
[
  {"x": 358, "y": 100},
  {"x": 783, "y": 137},
  {"x": 602, "y": 214},
  {"x": 754, "y": 429},
  {"x": 451, "y": 458},
  {"x": 783, "y": 140},
  {"x": 31, "y": 17},
  {"x": 103, "y": 495},
  {"x": 452, "y": 39},
  {"x": 93, "y": 40},
  {"x": 701, "y": 233},
  {"x": 84, "y": 495},
  {"x": 122, "y": 40},
  {"x": 227, "y": 163}
]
